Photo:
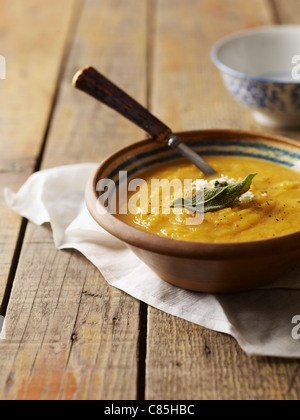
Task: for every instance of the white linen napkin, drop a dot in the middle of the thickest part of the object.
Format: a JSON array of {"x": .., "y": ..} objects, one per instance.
[{"x": 263, "y": 321}]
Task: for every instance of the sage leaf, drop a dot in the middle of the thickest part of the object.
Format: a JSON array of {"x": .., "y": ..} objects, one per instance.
[{"x": 214, "y": 199}]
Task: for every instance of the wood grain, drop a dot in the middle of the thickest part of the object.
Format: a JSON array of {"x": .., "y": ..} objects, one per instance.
[
  {"x": 287, "y": 12},
  {"x": 33, "y": 64},
  {"x": 185, "y": 361},
  {"x": 188, "y": 92},
  {"x": 70, "y": 335}
]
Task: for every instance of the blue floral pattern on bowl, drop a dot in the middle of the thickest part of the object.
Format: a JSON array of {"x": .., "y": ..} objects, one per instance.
[
  {"x": 281, "y": 97},
  {"x": 256, "y": 65},
  {"x": 273, "y": 100}
]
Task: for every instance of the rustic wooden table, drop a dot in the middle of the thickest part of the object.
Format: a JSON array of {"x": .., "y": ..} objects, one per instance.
[{"x": 71, "y": 335}]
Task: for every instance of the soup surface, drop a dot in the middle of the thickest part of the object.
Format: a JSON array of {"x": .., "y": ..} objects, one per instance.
[{"x": 269, "y": 209}]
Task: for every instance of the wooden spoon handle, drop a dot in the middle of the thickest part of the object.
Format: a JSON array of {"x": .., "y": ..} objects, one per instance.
[{"x": 95, "y": 84}]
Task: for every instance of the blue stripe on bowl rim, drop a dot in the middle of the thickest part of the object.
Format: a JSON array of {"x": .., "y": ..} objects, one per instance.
[{"x": 277, "y": 155}]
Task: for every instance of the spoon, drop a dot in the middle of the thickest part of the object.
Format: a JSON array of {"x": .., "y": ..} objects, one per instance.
[{"x": 95, "y": 84}]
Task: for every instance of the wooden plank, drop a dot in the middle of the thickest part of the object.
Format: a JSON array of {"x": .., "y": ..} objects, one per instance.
[
  {"x": 69, "y": 334},
  {"x": 33, "y": 64},
  {"x": 188, "y": 92},
  {"x": 113, "y": 39},
  {"x": 185, "y": 361}
]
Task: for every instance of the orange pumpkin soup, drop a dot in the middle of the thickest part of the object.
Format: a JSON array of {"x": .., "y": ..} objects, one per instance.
[{"x": 269, "y": 208}]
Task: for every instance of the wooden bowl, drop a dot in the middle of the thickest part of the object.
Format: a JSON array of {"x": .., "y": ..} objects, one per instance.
[{"x": 203, "y": 267}]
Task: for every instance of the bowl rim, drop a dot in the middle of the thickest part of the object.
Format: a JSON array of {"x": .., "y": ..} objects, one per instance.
[
  {"x": 186, "y": 249},
  {"x": 241, "y": 34}
]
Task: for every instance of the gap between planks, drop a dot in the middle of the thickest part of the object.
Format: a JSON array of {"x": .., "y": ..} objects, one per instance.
[
  {"x": 143, "y": 324},
  {"x": 275, "y": 15}
]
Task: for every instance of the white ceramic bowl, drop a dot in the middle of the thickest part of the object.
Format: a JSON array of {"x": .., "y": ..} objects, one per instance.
[{"x": 261, "y": 69}]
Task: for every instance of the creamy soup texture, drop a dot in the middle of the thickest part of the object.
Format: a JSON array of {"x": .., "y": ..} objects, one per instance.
[{"x": 270, "y": 208}]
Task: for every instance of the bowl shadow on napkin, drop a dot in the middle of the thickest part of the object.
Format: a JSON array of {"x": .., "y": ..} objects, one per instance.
[{"x": 261, "y": 320}]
